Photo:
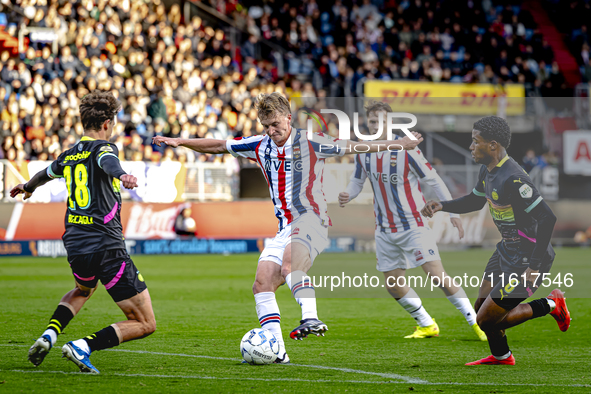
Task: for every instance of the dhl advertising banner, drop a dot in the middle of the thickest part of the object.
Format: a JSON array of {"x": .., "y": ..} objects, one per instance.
[{"x": 446, "y": 98}]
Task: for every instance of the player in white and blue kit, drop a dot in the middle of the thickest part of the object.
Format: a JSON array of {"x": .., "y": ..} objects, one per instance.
[
  {"x": 293, "y": 166},
  {"x": 403, "y": 239}
]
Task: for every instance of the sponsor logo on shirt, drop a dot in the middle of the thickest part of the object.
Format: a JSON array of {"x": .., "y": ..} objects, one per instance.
[
  {"x": 106, "y": 148},
  {"x": 77, "y": 156},
  {"x": 526, "y": 191},
  {"x": 393, "y": 159}
]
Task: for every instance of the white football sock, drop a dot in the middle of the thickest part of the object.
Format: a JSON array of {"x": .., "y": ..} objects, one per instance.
[
  {"x": 412, "y": 304},
  {"x": 504, "y": 356},
  {"x": 304, "y": 294},
  {"x": 551, "y": 303},
  {"x": 462, "y": 303},
  {"x": 52, "y": 334},
  {"x": 82, "y": 344},
  {"x": 269, "y": 317}
]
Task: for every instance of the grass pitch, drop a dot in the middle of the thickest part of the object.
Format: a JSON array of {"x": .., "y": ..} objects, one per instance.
[{"x": 204, "y": 305}]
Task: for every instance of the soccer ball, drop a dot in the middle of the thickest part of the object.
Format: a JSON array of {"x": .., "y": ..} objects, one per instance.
[{"x": 259, "y": 346}]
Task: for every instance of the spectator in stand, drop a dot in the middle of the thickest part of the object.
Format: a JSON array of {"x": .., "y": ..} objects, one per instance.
[{"x": 179, "y": 77}]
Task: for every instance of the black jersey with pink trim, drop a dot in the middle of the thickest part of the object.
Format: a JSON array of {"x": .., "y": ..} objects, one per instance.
[{"x": 93, "y": 221}]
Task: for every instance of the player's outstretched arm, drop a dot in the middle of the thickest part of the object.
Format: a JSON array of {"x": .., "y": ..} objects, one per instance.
[
  {"x": 469, "y": 203},
  {"x": 355, "y": 148},
  {"x": 111, "y": 166},
  {"x": 39, "y": 179},
  {"x": 201, "y": 145}
]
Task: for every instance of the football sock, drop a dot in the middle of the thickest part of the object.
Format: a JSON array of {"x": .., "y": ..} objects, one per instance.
[
  {"x": 269, "y": 317},
  {"x": 504, "y": 356},
  {"x": 60, "y": 319},
  {"x": 413, "y": 305},
  {"x": 462, "y": 303},
  {"x": 499, "y": 347},
  {"x": 51, "y": 334},
  {"x": 103, "y": 339},
  {"x": 540, "y": 307},
  {"x": 552, "y": 304},
  {"x": 304, "y": 293}
]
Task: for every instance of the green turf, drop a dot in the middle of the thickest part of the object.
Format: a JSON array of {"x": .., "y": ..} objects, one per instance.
[{"x": 204, "y": 305}]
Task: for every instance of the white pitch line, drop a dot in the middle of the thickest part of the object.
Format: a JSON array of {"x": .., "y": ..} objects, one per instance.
[
  {"x": 407, "y": 379},
  {"x": 209, "y": 377},
  {"x": 347, "y": 370},
  {"x": 204, "y": 377}
]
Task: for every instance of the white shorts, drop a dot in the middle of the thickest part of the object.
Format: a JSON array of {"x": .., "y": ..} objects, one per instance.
[
  {"x": 306, "y": 230},
  {"x": 406, "y": 249}
]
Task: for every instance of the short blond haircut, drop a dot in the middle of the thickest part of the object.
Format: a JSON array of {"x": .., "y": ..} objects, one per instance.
[
  {"x": 270, "y": 105},
  {"x": 376, "y": 106}
]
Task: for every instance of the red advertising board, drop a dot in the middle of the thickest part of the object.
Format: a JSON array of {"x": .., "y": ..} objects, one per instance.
[{"x": 228, "y": 220}]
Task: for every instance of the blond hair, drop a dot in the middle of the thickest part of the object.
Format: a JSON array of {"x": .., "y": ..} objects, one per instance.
[
  {"x": 270, "y": 105},
  {"x": 376, "y": 106}
]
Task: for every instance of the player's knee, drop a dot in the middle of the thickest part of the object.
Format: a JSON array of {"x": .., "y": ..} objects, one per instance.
[
  {"x": 149, "y": 327},
  {"x": 83, "y": 292},
  {"x": 485, "y": 323},
  {"x": 261, "y": 286},
  {"x": 285, "y": 271},
  {"x": 478, "y": 304}
]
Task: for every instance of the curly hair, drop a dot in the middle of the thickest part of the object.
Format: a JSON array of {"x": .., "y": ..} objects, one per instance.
[
  {"x": 376, "y": 106},
  {"x": 97, "y": 107},
  {"x": 271, "y": 104},
  {"x": 493, "y": 128}
]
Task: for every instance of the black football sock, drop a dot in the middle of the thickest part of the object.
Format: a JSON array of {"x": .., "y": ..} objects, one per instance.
[
  {"x": 539, "y": 307},
  {"x": 499, "y": 347},
  {"x": 60, "y": 319},
  {"x": 103, "y": 339}
]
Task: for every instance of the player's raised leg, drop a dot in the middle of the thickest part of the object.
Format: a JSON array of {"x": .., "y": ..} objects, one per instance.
[
  {"x": 268, "y": 279},
  {"x": 456, "y": 295},
  {"x": 69, "y": 306},
  {"x": 410, "y": 301},
  {"x": 554, "y": 305}
]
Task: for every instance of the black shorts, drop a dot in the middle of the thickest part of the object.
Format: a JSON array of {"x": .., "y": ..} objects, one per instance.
[
  {"x": 114, "y": 268},
  {"x": 504, "y": 270}
]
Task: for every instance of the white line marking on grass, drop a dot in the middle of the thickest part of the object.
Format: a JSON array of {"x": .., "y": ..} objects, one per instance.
[
  {"x": 406, "y": 379},
  {"x": 400, "y": 378},
  {"x": 204, "y": 377},
  {"x": 141, "y": 375},
  {"x": 172, "y": 354}
]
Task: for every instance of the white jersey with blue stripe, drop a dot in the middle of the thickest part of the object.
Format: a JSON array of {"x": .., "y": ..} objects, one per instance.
[
  {"x": 293, "y": 171},
  {"x": 394, "y": 178}
]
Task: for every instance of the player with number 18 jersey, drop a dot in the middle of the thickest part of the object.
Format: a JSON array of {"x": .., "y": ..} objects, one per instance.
[{"x": 94, "y": 237}]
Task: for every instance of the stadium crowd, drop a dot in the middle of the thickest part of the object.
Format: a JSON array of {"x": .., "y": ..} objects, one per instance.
[{"x": 185, "y": 78}]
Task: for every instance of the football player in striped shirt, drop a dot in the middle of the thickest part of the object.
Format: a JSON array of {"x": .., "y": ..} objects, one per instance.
[
  {"x": 293, "y": 167},
  {"x": 403, "y": 239}
]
